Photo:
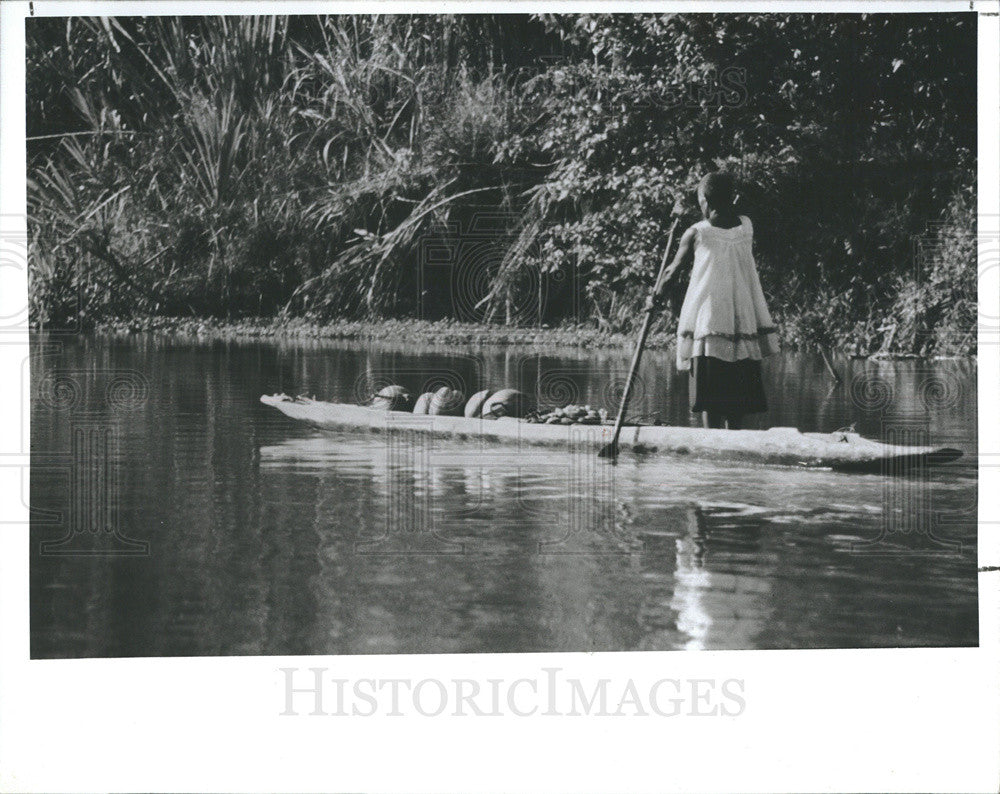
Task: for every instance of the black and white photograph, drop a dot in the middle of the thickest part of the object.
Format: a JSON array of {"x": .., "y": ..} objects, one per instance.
[{"x": 536, "y": 331}]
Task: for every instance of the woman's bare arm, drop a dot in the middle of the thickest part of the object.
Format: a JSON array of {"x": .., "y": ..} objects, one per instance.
[{"x": 682, "y": 259}]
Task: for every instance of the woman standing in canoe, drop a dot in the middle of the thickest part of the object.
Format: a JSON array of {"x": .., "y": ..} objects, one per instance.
[{"x": 725, "y": 328}]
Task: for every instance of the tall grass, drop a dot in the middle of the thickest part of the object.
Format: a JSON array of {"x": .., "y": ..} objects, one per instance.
[{"x": 295, "y": 166}]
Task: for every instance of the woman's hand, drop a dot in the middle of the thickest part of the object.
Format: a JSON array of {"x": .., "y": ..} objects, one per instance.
[
  {"x": 684, "y": 257},
  {"x": 654, "y": 301}
]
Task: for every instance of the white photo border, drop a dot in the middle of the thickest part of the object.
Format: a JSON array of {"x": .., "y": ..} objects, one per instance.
[{"x": 837, "y": 720}]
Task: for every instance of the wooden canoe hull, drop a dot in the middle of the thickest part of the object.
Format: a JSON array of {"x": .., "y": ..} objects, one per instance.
[{"x": 778, "y": 446}]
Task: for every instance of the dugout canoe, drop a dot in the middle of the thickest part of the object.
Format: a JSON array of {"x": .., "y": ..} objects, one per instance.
[{"x": 783, "y": 446}]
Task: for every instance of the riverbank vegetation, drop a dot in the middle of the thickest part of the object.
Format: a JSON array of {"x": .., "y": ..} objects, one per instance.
[{"x": 514, "y": 170}]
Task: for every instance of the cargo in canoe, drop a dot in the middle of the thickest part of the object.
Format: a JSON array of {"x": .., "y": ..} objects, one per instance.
[{"x": 787, "y": 446}]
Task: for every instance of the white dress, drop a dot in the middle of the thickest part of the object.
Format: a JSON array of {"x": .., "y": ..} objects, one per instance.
[{"x": 724, "y": 314}]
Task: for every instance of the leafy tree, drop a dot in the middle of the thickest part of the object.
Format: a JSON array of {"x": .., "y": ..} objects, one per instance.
[{"x": 297, "y": 165}]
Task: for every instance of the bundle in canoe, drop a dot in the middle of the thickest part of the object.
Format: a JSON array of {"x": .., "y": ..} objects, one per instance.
[{"x": 843, "y": 451}]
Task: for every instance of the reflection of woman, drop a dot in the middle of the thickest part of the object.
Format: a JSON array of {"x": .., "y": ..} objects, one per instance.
[
  {"x": 715, "y": 610},
  {"x": 691, "y": 582}
]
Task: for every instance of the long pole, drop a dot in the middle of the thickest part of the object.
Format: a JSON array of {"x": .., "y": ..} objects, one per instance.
[{"x": 611, "y": 450}]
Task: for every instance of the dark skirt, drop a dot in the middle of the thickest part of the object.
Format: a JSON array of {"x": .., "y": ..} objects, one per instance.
[{"x": 726, "y": 387}]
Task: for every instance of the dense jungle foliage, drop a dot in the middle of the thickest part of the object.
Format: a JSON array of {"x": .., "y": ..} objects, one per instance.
[{"x": 502, "y": 169}]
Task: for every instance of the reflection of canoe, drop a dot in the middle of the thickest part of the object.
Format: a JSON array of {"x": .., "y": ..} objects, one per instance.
[{"x": 779, "y": 445}]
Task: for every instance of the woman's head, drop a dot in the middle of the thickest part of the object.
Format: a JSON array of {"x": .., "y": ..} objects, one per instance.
[{"x": 716, "y": 193}]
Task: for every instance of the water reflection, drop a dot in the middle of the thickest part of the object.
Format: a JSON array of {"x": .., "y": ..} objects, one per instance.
[
  {"x": 716, "y": 607},
  {"x": 270, "y": 538}
]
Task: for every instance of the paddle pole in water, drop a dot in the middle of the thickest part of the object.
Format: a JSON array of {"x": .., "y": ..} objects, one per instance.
[{"x": 611, "y": 450}]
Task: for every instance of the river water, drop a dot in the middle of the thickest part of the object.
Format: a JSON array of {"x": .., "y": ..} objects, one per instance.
[{"x": 173, "y": 514}]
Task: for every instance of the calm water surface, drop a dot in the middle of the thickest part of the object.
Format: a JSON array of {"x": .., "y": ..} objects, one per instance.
[{"x": 239, "y": 532}]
